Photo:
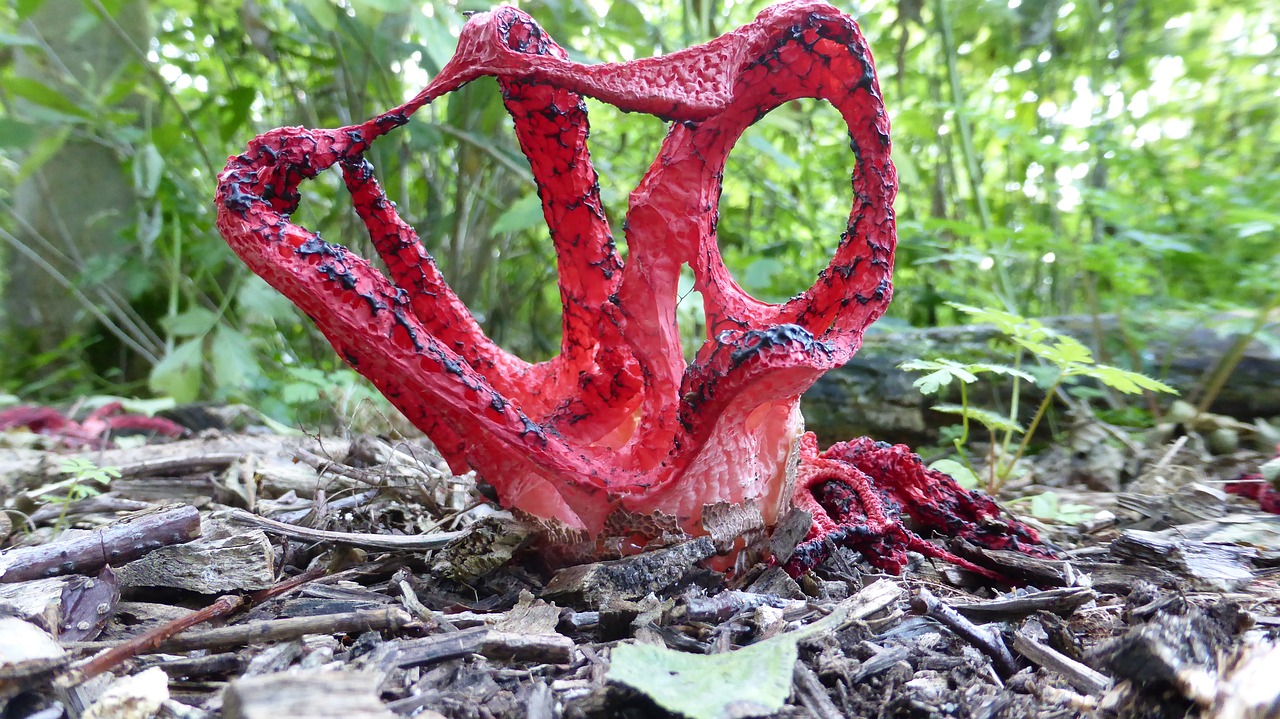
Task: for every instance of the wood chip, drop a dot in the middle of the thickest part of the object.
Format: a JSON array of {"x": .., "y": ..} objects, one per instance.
[
  {"x": 315, "y": 695},
  {"x": 245, "y": 562},
  {"x": 26, "y": 652},
  {"x": 630, "y": 578}
]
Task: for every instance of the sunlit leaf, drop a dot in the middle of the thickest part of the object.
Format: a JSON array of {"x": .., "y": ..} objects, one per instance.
[
  {"x": 42, "y": 152},
  {"x": 1122, "y": 380},
  {"x": 195, "y": 322},
  {"x": 957, "y": 471},
  {"x": 991, "y": 420},
  {"x": 34, "y": 91},
  {"x": 1061, "y": 350},
  {"x": 235, "y": 364}
]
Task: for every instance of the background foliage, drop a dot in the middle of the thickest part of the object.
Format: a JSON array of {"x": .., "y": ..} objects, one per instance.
[{"x": 1056, "y": 156}]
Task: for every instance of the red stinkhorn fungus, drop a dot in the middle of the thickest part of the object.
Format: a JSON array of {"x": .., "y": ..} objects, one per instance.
[{"x": 617, "y": 437}]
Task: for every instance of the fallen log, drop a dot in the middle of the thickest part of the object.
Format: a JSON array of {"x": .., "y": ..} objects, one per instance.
[{"x": 871, "y": 397}]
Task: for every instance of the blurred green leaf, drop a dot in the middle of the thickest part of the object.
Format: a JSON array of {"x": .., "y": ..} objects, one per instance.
[
  {"x": 991, "y": 420},
  {"x": 195, "y": 322},
  {"x": 37, "y": 92},
  {"x": 180, "y": 374},
  {"x": 957, "y": 471},
  {"x": 234, "y": 360},
  {"x": 524, "y": 214},
  {"x": 42, "y": 152}
]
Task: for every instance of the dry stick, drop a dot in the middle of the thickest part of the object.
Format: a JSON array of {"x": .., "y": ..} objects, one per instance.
[
  {"x": 279, "y": 630},
  {"x": 990, "y": 644},
  {"x": 417, "y": 542},
  {"x": 1080, "y": 676},
  {"x": 149, "y": 642},
  {"x": 118, "y": 543}
]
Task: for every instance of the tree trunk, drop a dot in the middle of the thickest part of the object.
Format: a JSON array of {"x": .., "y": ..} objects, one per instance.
[{"x": 70, "y": 211}]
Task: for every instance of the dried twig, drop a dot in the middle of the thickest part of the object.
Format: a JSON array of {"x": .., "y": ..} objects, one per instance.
[
  {"x": 279, "y": 630},
  {"x": 1078, "y": 675},
  {"x": 988, "y": 643},
  {"x": 123, "y": 541},
  {"x": 365, "y": 541},
  {"x": 156, "y": 638}
]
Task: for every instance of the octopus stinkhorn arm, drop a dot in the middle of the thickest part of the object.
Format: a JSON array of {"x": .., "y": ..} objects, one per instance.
[{"x": 618, "y": 433}]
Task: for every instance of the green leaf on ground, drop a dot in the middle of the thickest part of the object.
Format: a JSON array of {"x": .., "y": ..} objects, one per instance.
[{"x": 752, "y": 681}]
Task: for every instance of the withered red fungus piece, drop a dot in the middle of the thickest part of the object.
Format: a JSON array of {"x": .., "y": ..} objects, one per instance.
[
  {"x": 93, "y": 431},
  {"x": 618, "y": 435},
  {"x": 1254, "y": 486}
]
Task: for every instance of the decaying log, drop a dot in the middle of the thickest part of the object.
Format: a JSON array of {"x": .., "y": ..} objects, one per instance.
[
  {"x": 1200, "y": 565},
  {"x": 870, "y": 396},
  {"x": 125, "y": 540}
]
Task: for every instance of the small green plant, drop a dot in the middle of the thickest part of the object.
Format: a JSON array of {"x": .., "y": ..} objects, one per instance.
[
  {"x": 1049, "y": 507},
  {"x": 1062, "y": 357},
  {"x": 82, "y": 476}
]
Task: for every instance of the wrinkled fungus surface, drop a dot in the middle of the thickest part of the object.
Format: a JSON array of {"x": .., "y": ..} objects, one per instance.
[{"x": 618, "y": 438}]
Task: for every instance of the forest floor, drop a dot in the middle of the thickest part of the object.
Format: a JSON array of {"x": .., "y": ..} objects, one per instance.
[{"x": 255, "y": 575}]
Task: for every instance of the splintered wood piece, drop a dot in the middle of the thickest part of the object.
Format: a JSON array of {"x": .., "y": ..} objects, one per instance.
[
  {"x": 1106, "y": 577},
  {"x": 26, "y": 652},
  {"x": 631, "y": 578},
  {"x": 1250, "y": 690},
  {"x": 123, "y": 541},
  {"x": 1182, "y": 652},
  {"x": 317, "y": 695},
  {"x": 1204, "y": 566}
]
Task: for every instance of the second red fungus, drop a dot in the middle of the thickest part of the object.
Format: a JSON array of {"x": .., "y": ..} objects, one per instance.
[{"x": 618, "y": 437}]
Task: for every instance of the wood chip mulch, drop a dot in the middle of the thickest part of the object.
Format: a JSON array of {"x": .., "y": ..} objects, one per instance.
[{"x": 249, "y": 576}]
